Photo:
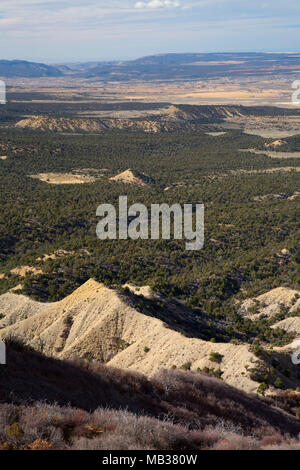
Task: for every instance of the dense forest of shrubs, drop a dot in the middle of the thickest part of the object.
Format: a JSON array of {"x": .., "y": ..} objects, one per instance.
[{"x": 243, "y": 237}]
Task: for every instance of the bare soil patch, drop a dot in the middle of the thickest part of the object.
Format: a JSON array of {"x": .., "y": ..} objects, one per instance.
[
  {"x": 272, "y": 154},
  {"x": 66, "y": 178},
  {"x": 23, "y": 270},
  {"x": 215, "y": 134}
]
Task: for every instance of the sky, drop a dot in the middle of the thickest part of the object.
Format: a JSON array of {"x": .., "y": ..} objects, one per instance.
[{"x": 87, "y": 30}]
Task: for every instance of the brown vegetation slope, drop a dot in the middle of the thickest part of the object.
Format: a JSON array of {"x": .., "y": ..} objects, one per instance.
[{"x": 174, "y": 410}]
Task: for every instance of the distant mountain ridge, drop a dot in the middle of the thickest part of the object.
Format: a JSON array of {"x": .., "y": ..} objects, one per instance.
[
  {"x": 186, "y": 66},
  {"x": 23, "y": 68},
  {"x": 194, "y": 66}
]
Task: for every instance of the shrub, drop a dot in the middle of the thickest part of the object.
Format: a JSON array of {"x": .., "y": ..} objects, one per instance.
[
  {"x": 235, "y": 442},
  {"x": 262, "y": 388},
  {"x": 269, "y": 441},
  {"x": 7, "y": 446},
  {"x": 278, "y": 383},
  {"x": 186, "y": 366},
  {"x": 15, "y": 431},
  {"x": 122, "y": 344},
  {"x": 39, "y": 444},
  {"x": 68, "y": 321},
  {"x": 95, "y": 430},
  {"x": 216, "y": 357},
  {"x": 217, "y": 373},
  {"x": 257, "y": 350}
]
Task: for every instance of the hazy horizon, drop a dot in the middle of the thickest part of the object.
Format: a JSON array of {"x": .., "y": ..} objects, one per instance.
[
  {"x": 124, "y": 59},
  {"x": 77, "y": 30}
]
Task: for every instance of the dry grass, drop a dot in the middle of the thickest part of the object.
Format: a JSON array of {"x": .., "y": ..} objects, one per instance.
[{"x": 48, "y": 427}]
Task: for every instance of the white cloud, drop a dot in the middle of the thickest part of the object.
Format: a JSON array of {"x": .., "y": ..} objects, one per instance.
[{"x": 157, "y": 4}]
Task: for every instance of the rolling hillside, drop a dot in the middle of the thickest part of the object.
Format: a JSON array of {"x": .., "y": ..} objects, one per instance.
[{"x": 22, "y": 68}]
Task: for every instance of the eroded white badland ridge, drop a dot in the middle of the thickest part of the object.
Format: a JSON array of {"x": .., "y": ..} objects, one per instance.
[
  {"x": 131, "y": 177},
  {"x": 96, "y": 322}
]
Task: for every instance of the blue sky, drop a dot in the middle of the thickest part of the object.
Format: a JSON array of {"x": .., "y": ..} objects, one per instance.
[{"x": 76, "y": 30}]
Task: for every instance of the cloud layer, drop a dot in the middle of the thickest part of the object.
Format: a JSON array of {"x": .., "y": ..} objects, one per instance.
[
  {"x": 157, "y": 4},
  {"x": 119, "y": 29}
]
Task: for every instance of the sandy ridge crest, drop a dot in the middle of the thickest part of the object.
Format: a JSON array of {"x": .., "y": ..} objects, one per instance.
[{"x": 96, "y": 322}]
